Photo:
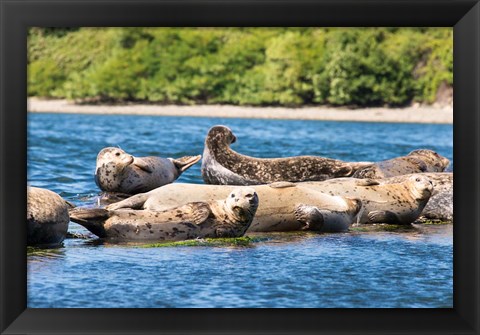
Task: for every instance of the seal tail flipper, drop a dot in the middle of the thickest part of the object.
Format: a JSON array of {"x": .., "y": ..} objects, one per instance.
[
  {"x": 310, "y": 216},
  {"x": 183, "y": 163},
  {"x": 91, "y": 218}
]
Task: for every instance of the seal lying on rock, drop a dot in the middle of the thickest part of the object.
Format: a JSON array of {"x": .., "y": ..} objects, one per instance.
[
  {"x": 118, "y": 171},
  {"x": 223, "y": 166},
  {"x": 230, "y": 217},
  {"x": 440, "y": 205},
  {"x": 417, "y": 161},
  {"x": 47, "y": 217},
  {"x": 284, "y": 206},
  {"x": 394, "y": 203}
]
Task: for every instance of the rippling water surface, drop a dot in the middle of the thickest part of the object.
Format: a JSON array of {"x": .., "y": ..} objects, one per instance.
[{"x": 374, "y": 268}]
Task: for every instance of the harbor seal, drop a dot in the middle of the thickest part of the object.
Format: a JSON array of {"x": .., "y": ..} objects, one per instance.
[
  {"x": 394, "y": 203},
  {"x": 417, "y": 161},
  {"x": 223, "y": 166},
  {"x": 284, "y": 206},
  {"x": 230, "y": 217},
  {"x": 118, "y": 171},
  {"x": 47, "y": 217},
  {"x": 440, "y": 205}
]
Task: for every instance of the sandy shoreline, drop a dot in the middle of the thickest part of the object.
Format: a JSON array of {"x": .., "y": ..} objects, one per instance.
[{"x": 401, "y": 115}]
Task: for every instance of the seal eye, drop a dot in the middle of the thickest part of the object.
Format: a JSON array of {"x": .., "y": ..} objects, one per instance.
[
  {"x": 233, "y": 195},
  {"x": 248, "y": 196},
  {"x": 117, "y": 154}
]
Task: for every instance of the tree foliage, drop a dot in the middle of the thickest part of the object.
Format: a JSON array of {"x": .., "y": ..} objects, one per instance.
[{"x": 243, "y": 66}]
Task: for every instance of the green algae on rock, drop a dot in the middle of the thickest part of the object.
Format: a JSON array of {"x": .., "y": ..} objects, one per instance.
[{"x": 209, "y": 242}]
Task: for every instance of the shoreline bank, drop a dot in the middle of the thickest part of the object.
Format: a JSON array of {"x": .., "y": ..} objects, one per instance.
[{"x": 421, "y": 114}]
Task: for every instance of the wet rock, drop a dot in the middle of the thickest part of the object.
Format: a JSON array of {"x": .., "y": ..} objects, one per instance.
[{"x": 47, "y": 217}]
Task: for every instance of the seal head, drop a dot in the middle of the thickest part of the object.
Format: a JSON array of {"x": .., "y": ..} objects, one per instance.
[
  {"x": 421, "y": 187},
  {"x": 242, "y": 203},
  {"x": 219, "y": 135},
  {"x": 111, "y": 164},
  {"x": 434, "y": 161},
  {"x": 239, "y": 207}
]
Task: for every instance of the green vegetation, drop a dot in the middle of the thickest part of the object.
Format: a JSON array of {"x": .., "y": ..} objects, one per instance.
[
  {"x": 379, "y": 227},
  {"x": 432, "y": 222},
  {"x": 241, "y": 66},
  {"x": 209, "y": 242}
]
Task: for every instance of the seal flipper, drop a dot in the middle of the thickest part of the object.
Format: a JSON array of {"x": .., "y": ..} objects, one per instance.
[
  {"x": 142, "y": 164},
  {"x": 200, "y": 212},
  {"x": 112, "y": 197},
  {"x": 366, "y": 182},
  {"x": 383, "y": 217},
  {"x": 134, "y": 202},
  {"x": 281, "y": 184},
  {"x": 183, "y": 163},
  {"x": 369, "y": 172},
  {"x": 91, "y": 218},
  {"x": 310, "y": 216},
  {"x": 349, "y": 169},
  {"x": 421, "y": 165}
]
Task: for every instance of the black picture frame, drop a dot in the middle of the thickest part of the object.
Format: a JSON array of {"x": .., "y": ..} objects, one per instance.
[{"x": 17, "y": 15}]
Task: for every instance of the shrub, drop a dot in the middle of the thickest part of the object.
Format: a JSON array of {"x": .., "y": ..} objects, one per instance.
[{"x": 245, "y": 66}]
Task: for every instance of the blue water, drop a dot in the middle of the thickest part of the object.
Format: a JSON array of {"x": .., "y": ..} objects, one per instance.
[{"x": 374, "y": 268}]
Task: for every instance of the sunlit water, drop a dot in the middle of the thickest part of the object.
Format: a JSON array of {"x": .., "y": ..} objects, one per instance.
[{"x": 374, "y": 268}]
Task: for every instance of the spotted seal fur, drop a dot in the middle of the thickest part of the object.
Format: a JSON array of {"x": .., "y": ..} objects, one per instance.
[
  {"x": 417, "y": 161},
  {"x": 395, "y": 203},
  {"x": 284, "y": 206},
  {"x": 440, "y": 205},
  {"x": 223, "y": 166},
  {"x": 230, "y": 217},
  {"x": 118, "y": 171}
]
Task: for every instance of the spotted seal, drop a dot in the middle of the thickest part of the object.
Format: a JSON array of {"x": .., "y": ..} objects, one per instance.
[
  {"x": 440, "y": 205},
  {"x": 223, "y": 166},
  {"x": 417, "y": 161},
  {"x": 47, "y": 217},
  {"x": 118, "y": 171},
  {"x": 394, "y": 203},
  {"x": 284, "y": 206},
  {"x": 230, "y": 217}
]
